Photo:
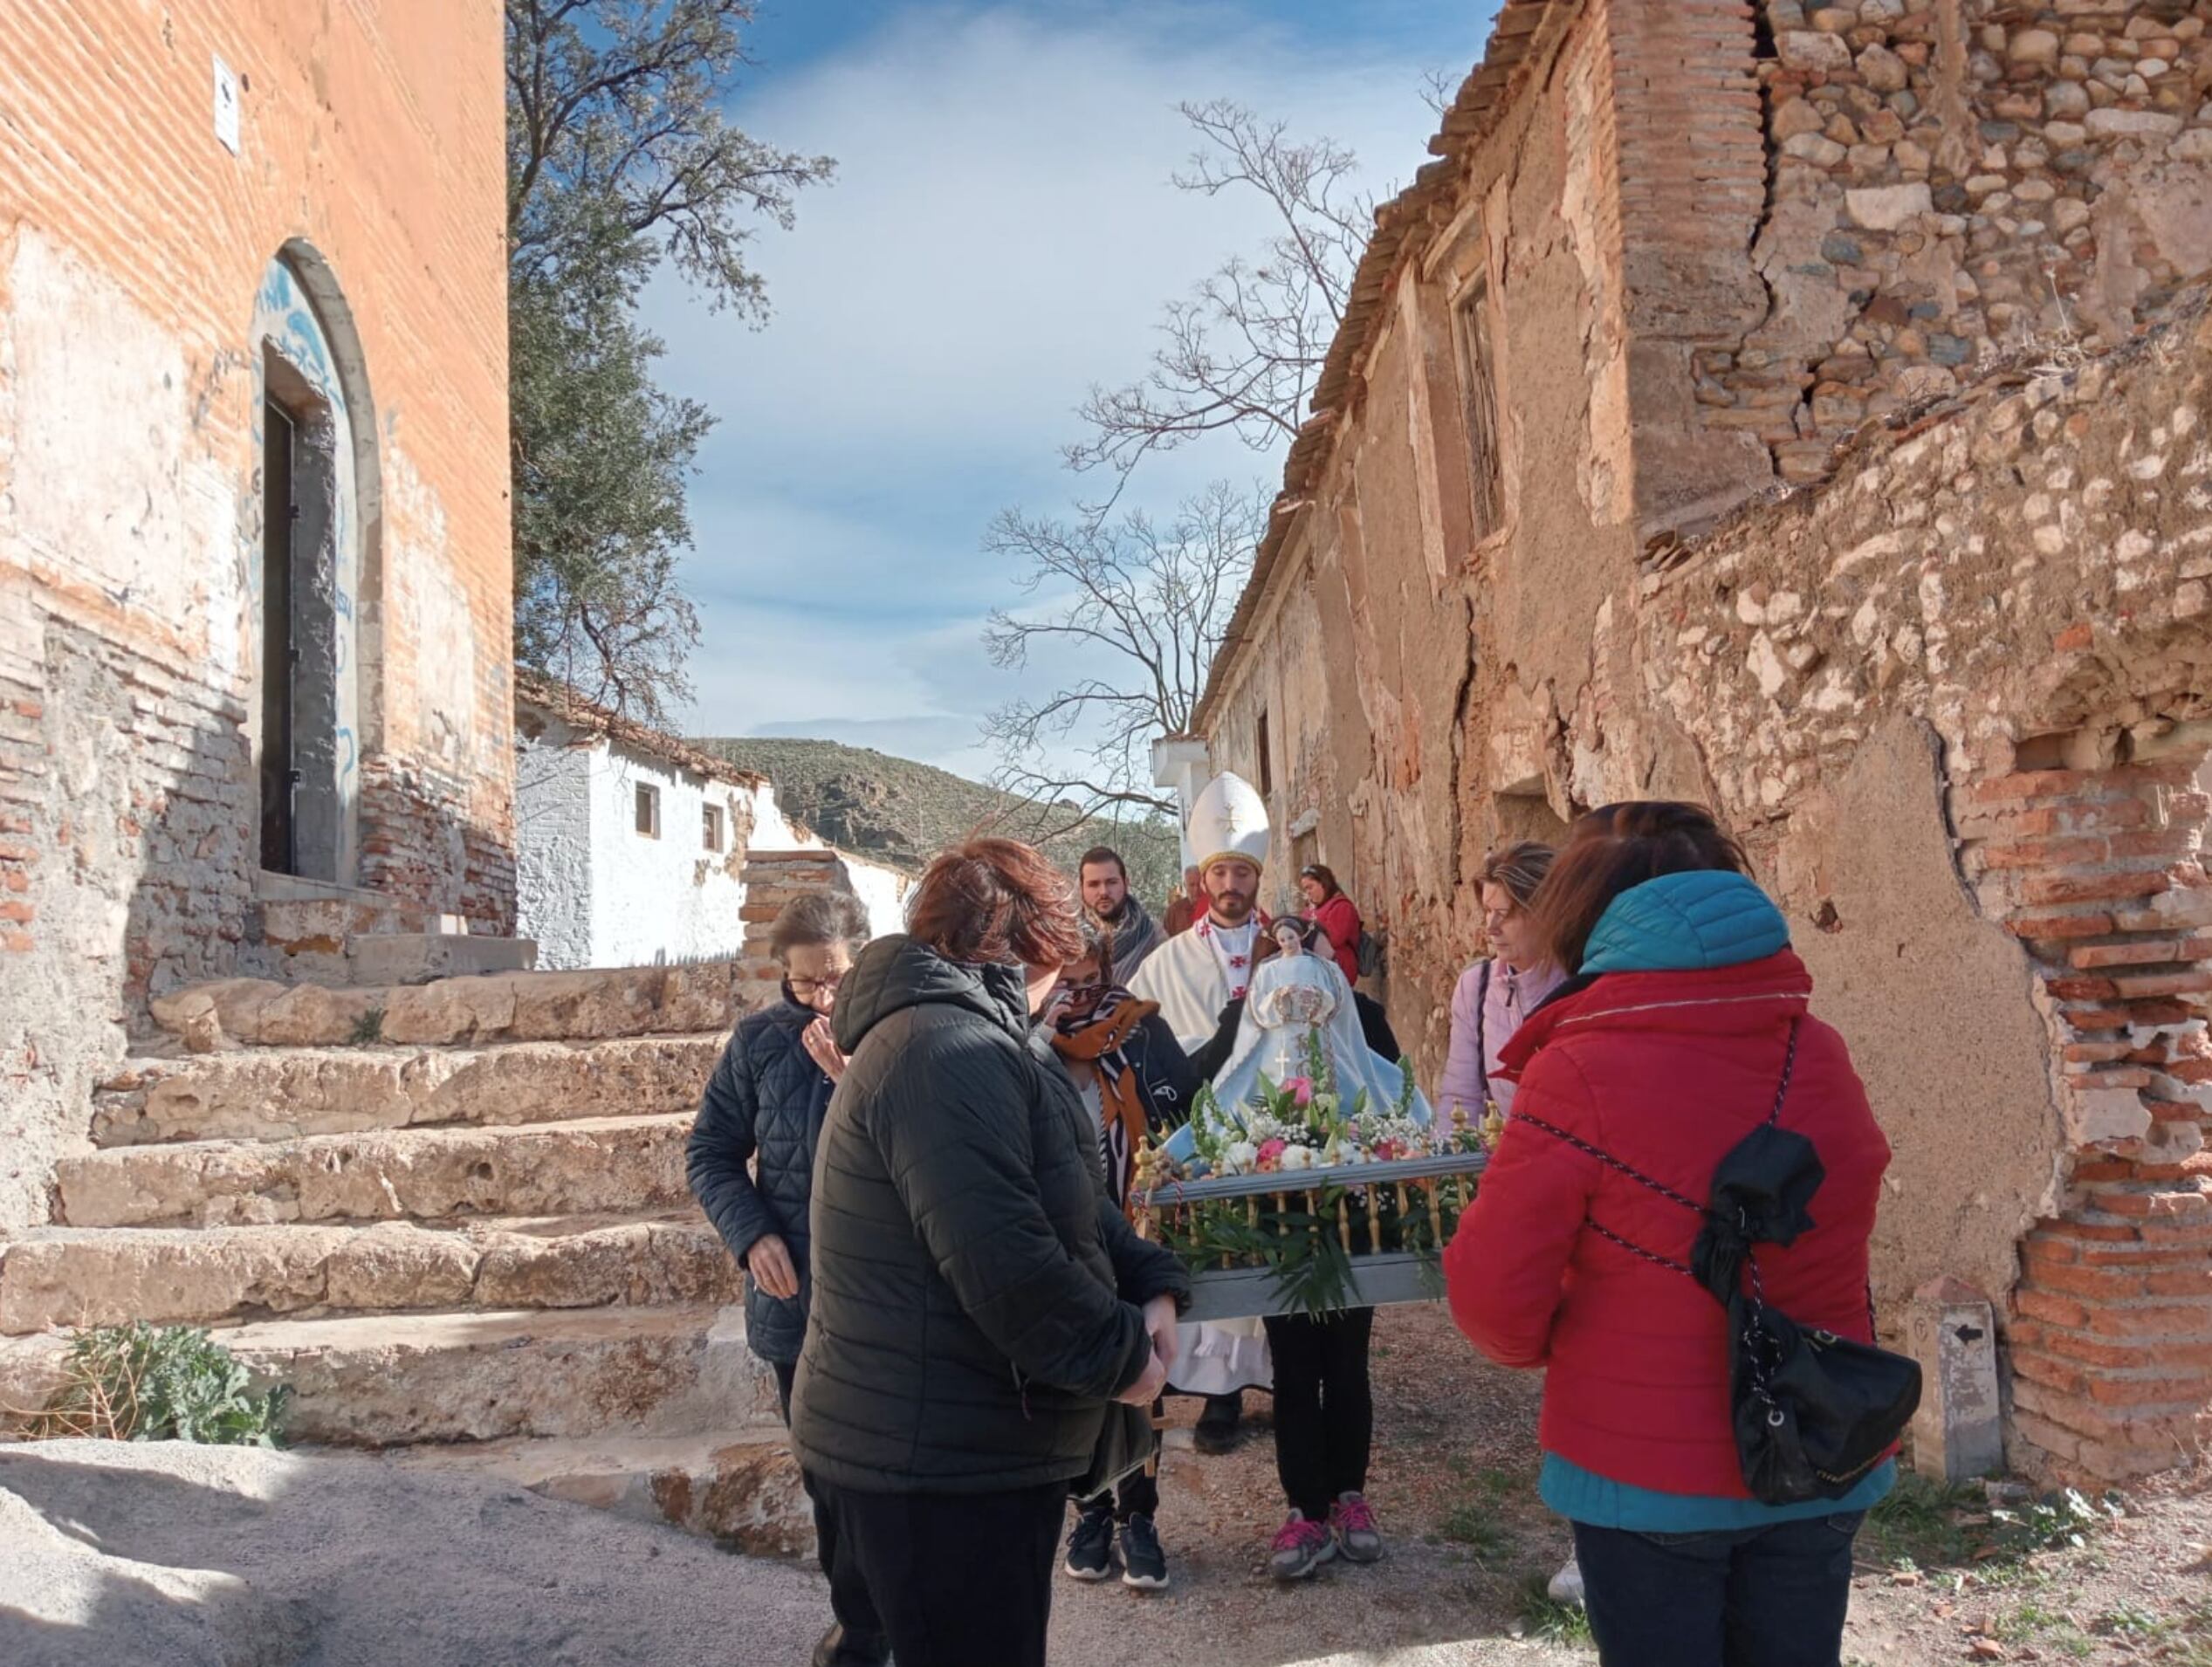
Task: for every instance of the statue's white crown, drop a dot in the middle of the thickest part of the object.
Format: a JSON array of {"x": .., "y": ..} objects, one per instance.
[{"x": 1228, "y": 819}]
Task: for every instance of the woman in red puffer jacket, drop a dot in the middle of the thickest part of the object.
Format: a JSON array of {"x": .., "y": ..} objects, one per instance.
[{"x": 1665, "y": 1050}]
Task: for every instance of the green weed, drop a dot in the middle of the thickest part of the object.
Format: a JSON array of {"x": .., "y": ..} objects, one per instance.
[
  {"x": 141, "y": 1382},
  {"x": 1544, "y": 1618}
]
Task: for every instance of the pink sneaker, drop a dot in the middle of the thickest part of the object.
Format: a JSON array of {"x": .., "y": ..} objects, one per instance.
[
  {"x": 1301, "y": 1547},
  {"x": 1353, "y": 1522}
]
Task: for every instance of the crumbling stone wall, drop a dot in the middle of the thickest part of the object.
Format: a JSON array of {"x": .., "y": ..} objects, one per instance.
[
  {"x": 1952, "y": 179},
  {"x": 1997, "y": 569},
  {"x": 131, "y": 255}
]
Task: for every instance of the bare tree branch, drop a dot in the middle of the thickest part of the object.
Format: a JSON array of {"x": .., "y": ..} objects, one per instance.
[
  {"x": 1241, "y": 354},
  {"x": 1156, "y": 599}
]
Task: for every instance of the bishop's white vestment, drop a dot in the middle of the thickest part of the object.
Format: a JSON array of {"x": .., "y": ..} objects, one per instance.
[{"x": 1193, "y": 976}]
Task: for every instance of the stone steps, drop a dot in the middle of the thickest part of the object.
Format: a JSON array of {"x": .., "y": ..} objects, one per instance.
[
  {"x": 745, "y": 1494},
  {"x": 593, "y": 1164},
  {"x": 72, "y": 1276},
  {"x": 282, "y": 1093},
  {"x": 397, "y": 1380},
  {"x": 466, "y": 1011}
]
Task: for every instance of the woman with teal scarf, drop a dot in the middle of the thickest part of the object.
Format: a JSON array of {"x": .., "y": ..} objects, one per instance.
[{"x": 1666, "y": 1048}]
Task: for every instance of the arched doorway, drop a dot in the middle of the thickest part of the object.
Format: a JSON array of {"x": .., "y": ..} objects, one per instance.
[{"x": 313, "y": 569}]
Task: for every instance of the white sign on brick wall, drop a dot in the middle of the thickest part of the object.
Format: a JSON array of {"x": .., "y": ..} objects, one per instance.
[{"x": 226, "y": 106}]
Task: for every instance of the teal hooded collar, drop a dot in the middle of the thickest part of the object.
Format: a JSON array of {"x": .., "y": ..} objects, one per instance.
[{"x": 1690, "y": 922}]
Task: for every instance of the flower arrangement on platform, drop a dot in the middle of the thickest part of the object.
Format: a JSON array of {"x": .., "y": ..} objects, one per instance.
[{"x": 1351, "y": 1185}]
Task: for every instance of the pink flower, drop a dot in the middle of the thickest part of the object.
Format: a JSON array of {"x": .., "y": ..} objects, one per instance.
[
  {"x": 1301, "y": 1090},
  {"x": 1386, "y": 1151},
  {"x": 1270, "y": 1156}
]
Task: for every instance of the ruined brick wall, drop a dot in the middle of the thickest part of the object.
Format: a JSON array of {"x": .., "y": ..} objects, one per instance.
[
  {"x": 132, "y": 256},
  {"x": 1953, "y": 180},
  {"x": 2023, "y": 584},
  {"x": 1866, "y": 678}
]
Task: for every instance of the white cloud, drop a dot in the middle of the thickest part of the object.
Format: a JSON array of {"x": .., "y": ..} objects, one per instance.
[{"x": 1001, "y": 235}]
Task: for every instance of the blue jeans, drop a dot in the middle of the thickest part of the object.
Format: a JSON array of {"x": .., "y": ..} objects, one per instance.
[{"x": 1738, "y": 1597}]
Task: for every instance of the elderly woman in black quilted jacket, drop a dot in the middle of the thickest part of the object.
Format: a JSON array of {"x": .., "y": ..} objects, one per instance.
[
  {"x": 766, "y": 1099},
  {"x": 978, "y": 1299}
]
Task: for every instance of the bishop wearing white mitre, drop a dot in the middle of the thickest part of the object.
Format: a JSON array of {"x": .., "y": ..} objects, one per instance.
[{"x": 1193, "y": 976}]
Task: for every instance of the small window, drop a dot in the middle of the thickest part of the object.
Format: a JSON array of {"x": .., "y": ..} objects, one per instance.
[
  {"x": 648, "y": 812},
  {"x": 710, "y": 827},
  {"x": 1266, "y": 767},
  {"x": 1479, "y": 389}
]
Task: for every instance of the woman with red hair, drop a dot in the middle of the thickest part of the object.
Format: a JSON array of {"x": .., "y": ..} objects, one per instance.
[
  {"x": 1685, "y": 1028},
  {"x": 978, "y": 1297}
]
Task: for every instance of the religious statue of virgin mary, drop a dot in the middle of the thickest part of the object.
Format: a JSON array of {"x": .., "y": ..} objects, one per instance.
[{"x": 1296, "y": 995}]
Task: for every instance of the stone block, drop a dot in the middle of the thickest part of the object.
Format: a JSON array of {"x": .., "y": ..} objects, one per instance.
[
  {"x": 1888, "y": 207},
  {"x": 2115, "y": 123},
  {"x": 387, "y": 1379},
  {"x": 624, "y": 1163},
  {"x": 1806, "y": 49}
]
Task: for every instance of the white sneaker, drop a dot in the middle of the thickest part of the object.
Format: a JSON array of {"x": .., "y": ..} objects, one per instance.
[{"x": 1567, "y": 1585}]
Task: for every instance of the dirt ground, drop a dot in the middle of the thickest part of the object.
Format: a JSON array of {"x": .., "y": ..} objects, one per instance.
[
  {"x": 235, "y": 1557},
  {"x": 1942, "y": 1577}
]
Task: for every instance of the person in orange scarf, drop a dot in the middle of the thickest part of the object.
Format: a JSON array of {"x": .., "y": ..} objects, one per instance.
[{"x": 1134, "y": 1079}]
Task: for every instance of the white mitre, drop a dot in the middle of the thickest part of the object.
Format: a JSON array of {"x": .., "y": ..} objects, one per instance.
[{"x": 1228, "y": 819}]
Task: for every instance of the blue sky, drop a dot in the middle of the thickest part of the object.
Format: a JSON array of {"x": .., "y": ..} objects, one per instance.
[{"x": 1001, "y": 234}]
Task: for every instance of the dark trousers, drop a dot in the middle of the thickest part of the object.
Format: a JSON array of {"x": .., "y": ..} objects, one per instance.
[
  {"x": 961, "y": 1580},
  {"x": 848, "y": 1600},
  {"x": 1749, "y": 1597},
  {"x": 1324, "y": 1414}
]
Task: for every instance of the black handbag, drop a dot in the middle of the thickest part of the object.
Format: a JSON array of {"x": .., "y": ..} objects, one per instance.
[{"x": 1812, "y": 1412}]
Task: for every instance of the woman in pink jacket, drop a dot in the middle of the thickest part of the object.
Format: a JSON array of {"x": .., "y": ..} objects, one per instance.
[{"x": 1494, "y": 996}]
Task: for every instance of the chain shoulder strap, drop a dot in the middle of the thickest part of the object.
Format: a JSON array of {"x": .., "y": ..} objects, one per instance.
[{"x": 1788, "y": 1064}]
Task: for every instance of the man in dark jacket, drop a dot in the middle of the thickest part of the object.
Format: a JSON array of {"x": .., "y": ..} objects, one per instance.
[
  {"x": 1107, "y": 899},
  {"x": 765, "y": 1102},
  {"x": 977, "y": 1299}
]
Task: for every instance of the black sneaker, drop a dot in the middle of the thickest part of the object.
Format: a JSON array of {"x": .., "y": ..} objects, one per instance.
[
  {"x": 1143, "y": 1564},
  {"x": 1091, "y": 1548},
  {"x": 1217, "y": 1426}
]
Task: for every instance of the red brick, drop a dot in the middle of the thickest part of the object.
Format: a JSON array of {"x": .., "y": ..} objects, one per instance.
[
  {"x": 21, "y": 913},
  {"x": 2059, "y": 927},
  {"x": 2053, "y": 1373},
  {"x": 2140, "y": 952},
  {"x": 2172, "y": 1206},
  {"x": 2096, "y": 1053},
  {"x": 2157, "y": 842},
  {"x": 2117, "y": 1232},
  {"x": 2152, "y": 1391},
  {"x": 2107, "y": 1169},
  {"x": 2180, "y": 1282},
  {"x": 2091, "y": 887},
  {"x": 2032, "y": 784},
  {"x": 2043, "y": 1305},
  {"x": 2079, "y": 988},
  {"x": 17, "y": 943},
  {"x": 2185, "y": 1321},
  {"x": 2072, "y": 853},
  {"x": 2099, "y": 1284},
  {"x": 2194, "y": 982}
]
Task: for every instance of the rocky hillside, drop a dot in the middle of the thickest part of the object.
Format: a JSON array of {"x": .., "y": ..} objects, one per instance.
[{"x": 903, "y": 812}]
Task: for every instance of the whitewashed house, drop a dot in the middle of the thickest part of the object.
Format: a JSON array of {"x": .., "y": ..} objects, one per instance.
[{"x": 631, "y": 845}]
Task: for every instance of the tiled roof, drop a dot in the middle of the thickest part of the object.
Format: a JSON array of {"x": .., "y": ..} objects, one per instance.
[{"x": 557, "y": 700}]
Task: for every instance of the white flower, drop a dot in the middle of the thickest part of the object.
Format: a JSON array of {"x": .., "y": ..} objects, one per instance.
[
  {"x": 1297, "y": 1157},
  {"x": 1239, "y": 1157}
]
